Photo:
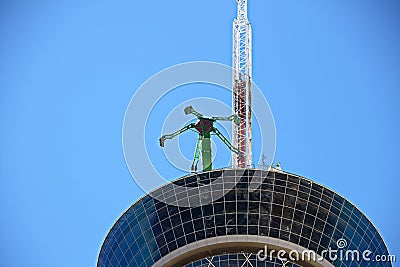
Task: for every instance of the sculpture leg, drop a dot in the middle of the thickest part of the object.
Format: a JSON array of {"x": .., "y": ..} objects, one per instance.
[
  {"x": 206, "y": 152},
  {"x": 196, "y": 155}
]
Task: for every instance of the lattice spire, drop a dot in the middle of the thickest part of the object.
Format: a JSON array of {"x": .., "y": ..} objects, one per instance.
[{"x": 241, "y": 102}]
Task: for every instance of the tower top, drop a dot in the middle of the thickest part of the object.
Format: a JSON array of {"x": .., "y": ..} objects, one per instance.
[
  {"x": 242, "y": 10},
  {"x": 241, "y": 99}
]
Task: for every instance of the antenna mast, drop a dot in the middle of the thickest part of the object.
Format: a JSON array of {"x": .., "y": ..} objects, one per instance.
[{"x": 241, "y": 102}]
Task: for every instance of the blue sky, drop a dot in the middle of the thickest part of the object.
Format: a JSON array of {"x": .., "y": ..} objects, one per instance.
[{"x": 329, "y": 69}]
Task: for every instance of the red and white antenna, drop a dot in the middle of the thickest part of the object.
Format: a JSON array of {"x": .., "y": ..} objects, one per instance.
[{"x": 241, "y": 102}]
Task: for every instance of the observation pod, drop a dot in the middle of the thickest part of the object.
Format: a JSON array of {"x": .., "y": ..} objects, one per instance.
[{"x": 283, "y": 212}]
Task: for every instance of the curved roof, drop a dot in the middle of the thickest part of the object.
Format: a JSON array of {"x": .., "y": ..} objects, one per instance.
[{"x": 284, "y": 210}]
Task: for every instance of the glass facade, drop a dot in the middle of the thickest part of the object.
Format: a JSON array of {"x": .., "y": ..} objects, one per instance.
[
  {"x": 284, "y": 206},
  {"x": 239, "y": 259}
]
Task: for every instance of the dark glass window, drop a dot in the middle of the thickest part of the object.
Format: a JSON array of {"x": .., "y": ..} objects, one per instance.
[
  {"x": 242, "y": 230},
  {"x": 338, "y": 199},
  {"x": 316, "y": 237},
  {"x": 274, "y": 233},
  {"x": 253, "y": 230},
  {"x": 275, "y": 222},
  {"x": 253, "y": 218},
  {"x": 265, "y": 208},
  {"x": 198, "y": 224},
  {"x": 276, "y": 210},
  {"x": 163, "y": 251},
  {"x": 336, "y": 206},
  {"x": 242, "y": 219},
  {"x": 242, "y": 194},
  {"x": 301, "y": 205},
  {"x": 166, "y": 225},
  {"x": 290, "y": 201},
  {"x": 190, "y": 238},
  {"x": 178, "y": 231},
  {"x": 264, "y": 219},
  {"x": 219, "y": 208},
  {"x": 304, "y": 190},
  {"x": 267, "y": 186},
  {"x": 278, "y": 198},
  {"x": 196, "y": 213},
  {"x": 337, "y": 235},
  {"x": 209, "y": 221},
  {"x": 316, "y": 187},
  {"x": 349, "y": 231},
  {"x": 219, "y": 220},
  {"x": 353, "y": 223},
  {"x": 344, "y": 217},
  {"x": 176, "y": 219},
  {"x": 284, "y": 235},
  {"x": 242, "y": 206},
  {"x": 348, "y": 206},
  {"x": 306, "y": 232},
  {"x": 181, "y": 241},
  {"x": 221, "y": 231},
  {"x": 172, "y": 210},
  {"x": 319, "y": 224},
  {"x": 255, "y": 195},
  {"x": 153, "y": 218},
  {"x": 302, "y": 195},
  {"x": 230, "y": 219},
  {"x": 279, "y": 189},
  {"x": 322, "y": 214},
  {"x": 312, "y": 209},
  {"x": 230, "y": 207},
  {"x": 231, "y": 195},
  {"x": 172, "y": 245},
  {"x": 200, "y": 235},
  {"x": 309, "y": 220},
  {"x": 315, "y": 200},
  {"x": 281, "y": 183},
  {"x": 188, "y": 228},
  {"x": 328, "y": 230},
  {"x": 243, "y": 184},
  {"x": 210, "y": 232},
  {"x": 280, "y": 176},
  {"x": 138, "y": 209},
  {"x": 335, "y": 210},
  {"x": 294, "y": 238},
  {"x": 162, "y": 213},
  {"x": 341, "y": 225},
  {"x": 286, "y": 225},
  {"x": 304, "y": 242},
  {"x": 325, "y": 205},
  {"x": 264, "y": 231},
  {"x": 293, "y": 180},
  {"x": 288, "y": 213},
  {"x": 160, "y": 241},
  {"x": 298, "y": 216},
  {"x": 266, "y": 197},
  {"x": 291, "y": 191},
  {"x": 328, "y": 193},
  {"x": 169, "y": 235},
  {"x": 231, "y": 230},
  {"x": 254, "y": 206}
]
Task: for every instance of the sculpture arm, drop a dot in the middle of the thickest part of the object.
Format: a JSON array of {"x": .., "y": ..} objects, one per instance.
[
  {"x": 174, "y": 134},
  {"x": 235, "y": 118},
  {"x": 190, "y": 110},
  {"x": 227, "y": 143}
]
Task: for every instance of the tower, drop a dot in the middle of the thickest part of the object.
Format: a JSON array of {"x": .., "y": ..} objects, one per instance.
[
  {"x": 285, "y": 212},
  {"x": 241, "y": 82}
]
